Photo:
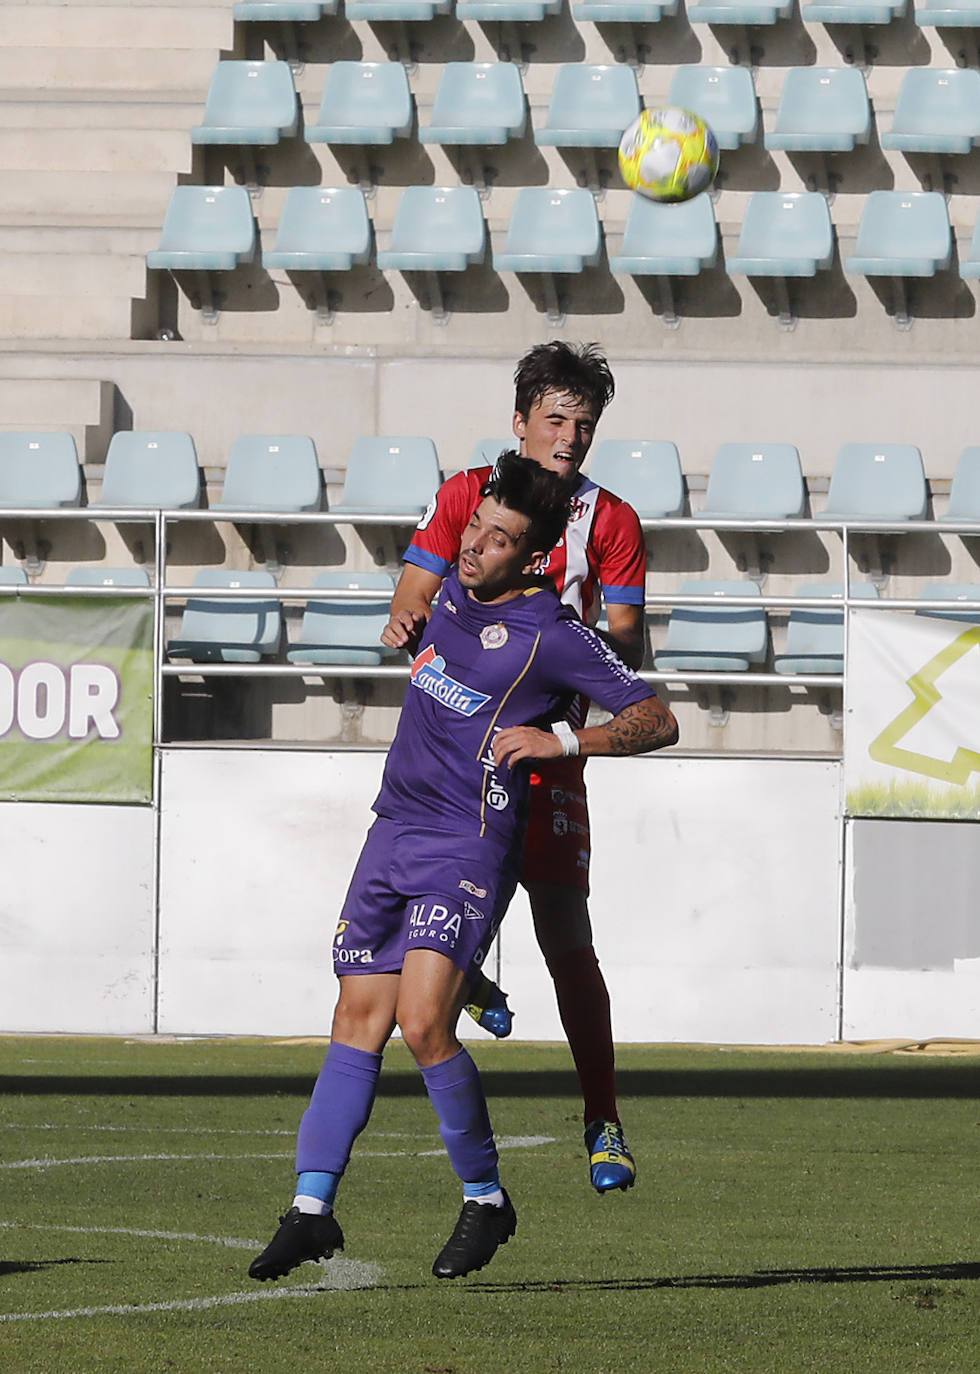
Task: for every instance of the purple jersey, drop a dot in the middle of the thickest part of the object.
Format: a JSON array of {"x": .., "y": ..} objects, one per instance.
[{"x": 481, "y": 668}]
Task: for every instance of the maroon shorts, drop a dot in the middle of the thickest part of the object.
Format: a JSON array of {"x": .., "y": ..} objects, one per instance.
[{"x": 558, "y": 843}]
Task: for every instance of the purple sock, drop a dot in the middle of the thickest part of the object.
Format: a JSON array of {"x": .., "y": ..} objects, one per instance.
[
  {"x": 456, "y": 1093},
  {"x": 339, "y": 1109}
]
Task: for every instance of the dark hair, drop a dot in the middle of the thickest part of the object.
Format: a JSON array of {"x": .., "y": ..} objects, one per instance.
[
  {"x": 580, "y": 369},
  {"x": 523, "y": 485}
]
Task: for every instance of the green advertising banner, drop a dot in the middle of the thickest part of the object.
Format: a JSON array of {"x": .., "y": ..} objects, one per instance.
[{"x": 76, "y": 699}]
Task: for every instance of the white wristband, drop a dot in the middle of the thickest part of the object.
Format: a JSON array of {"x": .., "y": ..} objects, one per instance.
[{"x": 570, "y": 744}]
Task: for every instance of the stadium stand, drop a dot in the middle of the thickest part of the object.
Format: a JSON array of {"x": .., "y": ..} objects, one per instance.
[
  {"x": 395, "y": 476},
  {"x": 952, "y": 591},
  {"x": 272, "y": 473},
  {"x": 477, "y": 103},
  {"x": 715, "y": 638},
  {"x": 206, "y": 229},
  {"x": 624, "y": 11},
  {"x": 104, "y": 576},
  {"x": 229, "y": 630},
  {"x": 877, "y": 482},
  {"x": 249, "y": 102},
  {"x": 784, "y": 235},
  {"x": 955, "y": 14},
  {"x": 345, "y": 632},
  {"x": 363, "y": 102},
  {"x": 853, "y": 12},
  {"x": 821, "y": 109},
  {"x": 815, "y": 636},
  {"x": 644, "y": 472},
  {"x": 321, "y": 229},
  {"x": 11, "y": 576},
  {"x": 937, "y": 112},
  {"x": 738, "y": 12},
  {"x": 667, "y": 240},
  {"x": 755, "y": 482},
  {"x": 723, "y": 96},
  {"x": 551, "y": 231},
  {"x": 964, "y": 494},
  {"x": 148, "y": 469},
  {"x": 39, "y": 470},
  {"x": 902, "y": 234},
  {"x": 282, "y": 11},
  {"x": 590, "y": 107}
]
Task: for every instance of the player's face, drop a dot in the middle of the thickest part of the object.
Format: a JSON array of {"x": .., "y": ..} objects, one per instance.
[
  {"x": 494, "y": 560},
  {"x": 556, "y": 432}
]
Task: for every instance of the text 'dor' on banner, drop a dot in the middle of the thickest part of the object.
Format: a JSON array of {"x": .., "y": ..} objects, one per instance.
[
  {"x": 912, "y": 741},
  {"x": 76, "y": 699}
]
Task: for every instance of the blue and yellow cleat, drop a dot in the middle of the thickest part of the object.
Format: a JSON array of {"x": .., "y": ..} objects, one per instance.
[
  {"x": 610, "y": 1161},
  {"x": 488, "y": 1008}
]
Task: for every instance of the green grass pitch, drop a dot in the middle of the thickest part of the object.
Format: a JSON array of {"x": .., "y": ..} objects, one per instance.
[{"x": 793, "y": 1211}]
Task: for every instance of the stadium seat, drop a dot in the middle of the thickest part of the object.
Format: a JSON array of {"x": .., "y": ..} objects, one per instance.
[
  {"x": 854, "y": 12},
  {"x": 436, "y": 229},
  {"x": 38, "y": 470},
  {"x": 489, "y": 450},
  {"x": 345, "y": 632},
  {"x": 391, "y": 11},
  {"x": 715, "y": 638},
  {"x": 363, "y": 102},
  {"x": 624, "y": 11},
  {"x": 150, "y": 469},
  {"x": 741, "y": 12},
  {"x": 271, "y": 472},
  {"x": 815, "y": 638},
  {"x": 755, "y": 482},
  {"x": 321, "y": 229},
  {"x": 784, "y": 234},
  {"x": 877, "y": 482},
  {"x": 724, "y": 97},
  {"x": 938, "y": 111},
  {"x": 902, "y": 234},
  {"x": 479, "y": 103},
  {"x": 952, "y": 14},
  {"x": 504, "y": 11},
  {"x": 964, "y": 495},
  {"x": 590, "y": 106},
  {"x": 969, "y": 264},
  {"x": 389, "y": 476},
  {"x": 101, "y": 576},
  {"x": 228, "y": 630},
  {"x": 667, "y": 240},
  {"x": 206, "y": 229},
  {"x": 13, "y": 576},
  {"x": 551, "y": 230},
  {"x": 249, "y": 102},
  {"x": 822, "y": 110},
  {"x": 952, "y": 591},
  {"x": 644, "y": 472},
  {"x": 278, "y": 11}
]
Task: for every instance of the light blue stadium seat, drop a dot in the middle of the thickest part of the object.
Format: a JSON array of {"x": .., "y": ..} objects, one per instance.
[
  {"x": 150, "y": 469},
  {"x": 503, "y": 11},
  {"x": 784, "y": 234},
  {"x": 394, "y": 476},
  {"x": 715, "y": 638},
  {"x": 815, "y": 638},
  {"x": 854, "y": 11},
  {"x": 228, "y": 630},
  {"x": 396, "y": 11},
  {"x": 101, "y": 576},
  {"x": 624, "y": 11},
  {"x": 551, "y": 230},
  {"x": 755, "y": 482},
  {"x": 952, "y": 14},
  {"x": 822, "y": 110},
  {"x": 249, "y": 103},
  {"x": 271, "y": 472},
  {"x": 363, "y": 102},
  {"x": 321, "y": 229},
  {"x": 952, "y": 591},
  {"x": 724, "y": 97},
  {"x": 644, "y": 472},
  {"x": 964, "y": 495},
  {"x": 902, "y": 234},
  {"x": 345, "y": 632},
  {"x": 741, "y": 12},
  {"x": 12, "y": 576},
  {"x": 667, "y": 240},
  {"x": 969, "y": 264},
  {"x": 938, "y": 111},
  {"x": 206, "y": 229},
  {"x": 282, "y": 11},
  {"x": 489, "y": 450},
  {"x": 38, "y": 470},
  {"x": 877, "y": 482},
  {"x": 436, "y": 229},
  {"x": 480, "y": 103},
  {"x": 590, "y": 106}
]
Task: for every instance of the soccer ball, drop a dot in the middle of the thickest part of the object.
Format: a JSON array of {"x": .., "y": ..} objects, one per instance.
[{"x": 668, "y": 155}]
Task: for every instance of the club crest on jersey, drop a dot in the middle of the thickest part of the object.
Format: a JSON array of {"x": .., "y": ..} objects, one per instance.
[
  {"x": 494, "y": 636},
  {"x": 429, "y": 675},
  {"x": 472, "y": 888}
]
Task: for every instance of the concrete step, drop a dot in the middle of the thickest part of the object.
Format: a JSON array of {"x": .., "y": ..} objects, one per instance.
[
  {"x": 167, "y": 68},
  {"x": 55, "y": 317},
  {"x": 68, "y": 196},
  {"x": 73, "y": 240},
  {"x": 71, "y": 274},
  {"x": 82, "y": 406},
  {"x": 91, "y": 110},
  {"x": 117, "y": 26},
  {"x": 95, "y": 150}
]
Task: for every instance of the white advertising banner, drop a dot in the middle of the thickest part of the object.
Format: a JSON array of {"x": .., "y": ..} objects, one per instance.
[{"x": 912, "y": 742}]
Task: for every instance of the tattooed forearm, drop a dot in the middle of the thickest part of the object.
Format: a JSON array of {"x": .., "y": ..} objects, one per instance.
[{"x": 640, "y": 728}]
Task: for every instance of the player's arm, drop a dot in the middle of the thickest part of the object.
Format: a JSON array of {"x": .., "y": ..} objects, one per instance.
[
  {"x": 622, "y": 571},
  {"x": 411, "y": 607},
  {"x": 638, "y": 728},
  {"x": 627, "y": 625}
]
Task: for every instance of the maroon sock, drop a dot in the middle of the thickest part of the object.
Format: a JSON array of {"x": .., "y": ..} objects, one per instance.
[{"x": 583, "y": 1005}]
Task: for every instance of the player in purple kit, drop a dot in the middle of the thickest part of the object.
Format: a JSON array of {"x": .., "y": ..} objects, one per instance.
[{"x": 500, "y": 661}]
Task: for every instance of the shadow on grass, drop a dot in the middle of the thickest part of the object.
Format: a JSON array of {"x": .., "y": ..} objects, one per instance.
[
  {"x": 33, "y": 1266},
  {"x": 895, "y": 1079},
  {"x": 760, "y": 1278}
]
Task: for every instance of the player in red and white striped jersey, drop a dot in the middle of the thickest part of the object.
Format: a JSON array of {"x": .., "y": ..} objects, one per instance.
[{"x": 561, "y": 392}]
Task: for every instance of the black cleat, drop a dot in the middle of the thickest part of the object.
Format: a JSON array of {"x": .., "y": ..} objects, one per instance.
[
  {"x": 475, "y": 1238},
  {"x": 301, "y": 1236}
]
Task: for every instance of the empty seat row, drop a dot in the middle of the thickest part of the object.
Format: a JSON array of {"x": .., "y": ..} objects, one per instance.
[{"x": 747, "y": 13}]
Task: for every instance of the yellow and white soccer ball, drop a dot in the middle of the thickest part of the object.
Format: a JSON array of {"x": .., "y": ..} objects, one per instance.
[{"x": 668, "y": 154}]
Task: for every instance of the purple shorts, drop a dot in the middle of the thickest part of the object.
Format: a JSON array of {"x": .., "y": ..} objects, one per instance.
[{"x": 417, "y": 888}]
